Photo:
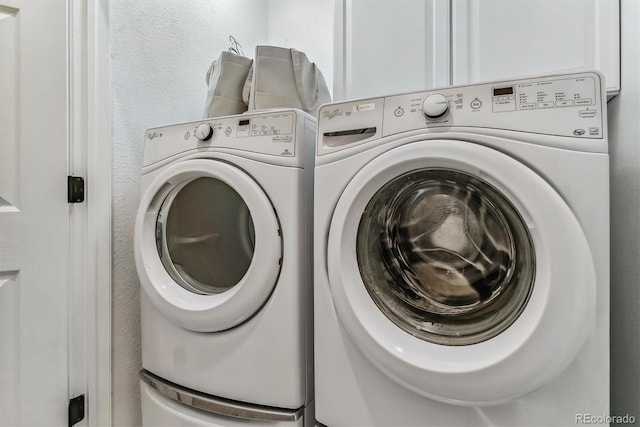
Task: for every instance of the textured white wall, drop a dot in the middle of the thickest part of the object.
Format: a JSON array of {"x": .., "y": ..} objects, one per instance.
[
  {"x": 306, "y": 25},
  {"x": 624, "y": 137},
  {"x": 160, "y": 52}
]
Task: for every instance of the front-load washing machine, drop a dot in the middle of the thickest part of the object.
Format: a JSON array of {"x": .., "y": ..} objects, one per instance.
[
  {"x": 462, "y": 256},
  {"x": 223, "y": 252}
]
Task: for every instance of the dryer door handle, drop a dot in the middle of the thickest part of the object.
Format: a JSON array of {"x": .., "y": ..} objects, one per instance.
[{"x": 217, "y": 405}]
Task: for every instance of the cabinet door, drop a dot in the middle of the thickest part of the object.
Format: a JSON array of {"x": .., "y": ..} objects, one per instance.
[
  {"x": 385, "y": 47},
  {"x": 497, "y": 39}
]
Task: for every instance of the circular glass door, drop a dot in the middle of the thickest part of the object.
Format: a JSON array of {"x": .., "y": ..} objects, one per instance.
[
  {"x": 448, "y": 268},
  {"x": 208, "y": 245},
  {"x": 205, "y": 236},
  {"x": 445, "y": 256}
]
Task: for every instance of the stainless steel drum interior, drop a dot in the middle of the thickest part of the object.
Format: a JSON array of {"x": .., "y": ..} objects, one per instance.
[{"x": 445, "y": 256}]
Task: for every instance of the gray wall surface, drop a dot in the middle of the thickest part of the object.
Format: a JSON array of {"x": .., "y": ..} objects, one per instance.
[{"x": 624, "y": 139}]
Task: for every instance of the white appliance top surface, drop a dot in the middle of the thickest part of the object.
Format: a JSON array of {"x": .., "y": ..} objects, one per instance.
[{"x": 568, "y": 110}]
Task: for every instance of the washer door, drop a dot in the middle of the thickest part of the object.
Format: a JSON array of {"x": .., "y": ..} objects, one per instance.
[
  {"x": 460, "y": 273},
  {"x": 207, "y": 245}
]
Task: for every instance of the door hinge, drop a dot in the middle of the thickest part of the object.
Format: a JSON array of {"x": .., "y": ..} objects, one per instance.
[
  {"x": 75, "y": 189},
  {"x": 76, "y": 410}
]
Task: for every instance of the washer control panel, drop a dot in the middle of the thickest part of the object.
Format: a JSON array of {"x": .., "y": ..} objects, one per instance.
[
  {"x": 435, "y": 105},
  {"x": 559, "y": 93},
  {"x": 563, "y": 105}
]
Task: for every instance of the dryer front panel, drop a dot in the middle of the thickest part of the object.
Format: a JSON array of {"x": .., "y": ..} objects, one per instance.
[
  {"x": 207, "y": 245},
  {"x": 460, "y": 273}
]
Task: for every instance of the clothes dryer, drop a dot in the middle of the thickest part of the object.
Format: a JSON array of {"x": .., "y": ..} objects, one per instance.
[
  {"x": 462, "y": 256},
  {"x": 222, "y": 249}
]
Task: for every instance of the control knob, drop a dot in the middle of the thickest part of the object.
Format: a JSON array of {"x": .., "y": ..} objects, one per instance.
[
  {"x": 204, "y": 132},
  {"x": 435, "y": 105}
]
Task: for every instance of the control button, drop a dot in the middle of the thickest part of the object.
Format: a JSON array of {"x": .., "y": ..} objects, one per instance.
[
  {"x": 228, "y": 131},
  {"x": 475, "y": 104},
  {"x": 398, "y": 112},
  {"x": 594, "y": 131},
  {"x": 204, "y": 132},
  {"x": 578, "y": 132},
  {"x": 583, "y": 101},
  {"x": 548, "y": 104},
  {"x": 527, "y": 106},
  {"x": 587, "y": 113},
  {"x": 435, "y": 106},
  {"x": 564, "y": 103}
]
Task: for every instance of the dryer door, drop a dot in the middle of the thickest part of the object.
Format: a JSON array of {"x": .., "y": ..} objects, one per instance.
[
  {"x": 207, "y": 245},
  {"x": 460, "y": 272}
]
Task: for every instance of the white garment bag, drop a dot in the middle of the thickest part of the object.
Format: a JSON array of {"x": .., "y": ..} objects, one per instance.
[
  {"x": 284, "y": 78},
  {"x": 226, "y": 78}
]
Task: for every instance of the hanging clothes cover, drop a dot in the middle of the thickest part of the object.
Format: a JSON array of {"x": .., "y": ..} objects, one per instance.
[
  {"x": 226, "y": 78},
  {"x": 284, "y": 78}
]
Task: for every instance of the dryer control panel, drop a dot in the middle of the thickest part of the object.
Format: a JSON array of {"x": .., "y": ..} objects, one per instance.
[{"x": 273, "y": 133}]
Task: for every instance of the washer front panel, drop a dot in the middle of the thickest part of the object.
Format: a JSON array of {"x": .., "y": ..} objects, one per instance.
[
  {"x": 544, "y": 337},
  {"x": 208, "y": 247}
]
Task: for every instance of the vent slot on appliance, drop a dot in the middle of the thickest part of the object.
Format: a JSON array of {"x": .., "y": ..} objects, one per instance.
[{"x": 344, "y": 137}]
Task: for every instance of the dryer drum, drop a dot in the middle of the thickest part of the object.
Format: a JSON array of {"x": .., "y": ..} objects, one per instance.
[
  {"x": 445, "y": 256},
  {"x": 205, "y": 236}
]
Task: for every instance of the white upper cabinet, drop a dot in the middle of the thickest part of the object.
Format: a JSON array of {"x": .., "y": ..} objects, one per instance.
[
  {"x": 384, "y": 46},
  {"x": 498, "y": 39}
]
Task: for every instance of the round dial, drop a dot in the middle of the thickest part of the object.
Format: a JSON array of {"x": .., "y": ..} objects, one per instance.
[
  {"x": 435, "y": 105},
  {"x": 204, "y": 132}
]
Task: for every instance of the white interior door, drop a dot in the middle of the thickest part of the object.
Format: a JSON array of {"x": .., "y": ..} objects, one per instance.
[{"x": 34, "y": 214}]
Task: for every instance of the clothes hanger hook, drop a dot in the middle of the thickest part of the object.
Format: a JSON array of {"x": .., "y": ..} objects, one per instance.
[{"x": 235, "y": 47}]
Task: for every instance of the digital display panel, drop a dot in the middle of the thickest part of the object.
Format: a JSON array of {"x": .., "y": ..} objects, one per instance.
[
  {"x": 243, "y": 122},
  {"x": 503, "y": 91}
]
